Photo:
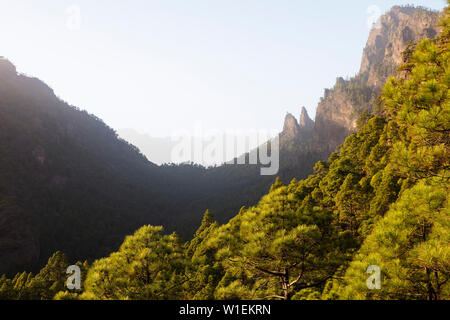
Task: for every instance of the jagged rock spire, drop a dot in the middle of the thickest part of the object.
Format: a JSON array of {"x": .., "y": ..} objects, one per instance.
[
  {"x": 291, "y": 127},
  {"x": 293, "y": 130},
  {"x": 305, "y": 121}
]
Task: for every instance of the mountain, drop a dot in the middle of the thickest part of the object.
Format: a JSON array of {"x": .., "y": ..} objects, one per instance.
[
  {"x": 300, "y": 131},
  {"x": 375, "y": 215},
  {"x": 338, "y": 110},
  {"x": 66, "y": 181},
  {"x": 69, "y": 183},
  {"x": 304, "y": 142}
]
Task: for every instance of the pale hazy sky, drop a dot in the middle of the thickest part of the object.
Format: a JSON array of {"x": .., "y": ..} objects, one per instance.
[{"x": 161, "y": 65}]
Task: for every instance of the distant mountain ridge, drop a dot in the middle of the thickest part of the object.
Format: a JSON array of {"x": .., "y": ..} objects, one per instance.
[
  {"x": 339, "y": 108},
  {"x": 160, "y": 149}
]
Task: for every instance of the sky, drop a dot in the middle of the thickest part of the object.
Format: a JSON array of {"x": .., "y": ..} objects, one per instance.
[{"x": 160, "y": 66}]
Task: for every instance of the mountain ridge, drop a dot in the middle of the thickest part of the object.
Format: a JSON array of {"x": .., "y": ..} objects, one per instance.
[
  {"x": 338, "y": 110},
  {"x": 68, "y": 181}
]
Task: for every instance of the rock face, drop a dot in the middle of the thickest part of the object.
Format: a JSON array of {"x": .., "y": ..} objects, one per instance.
[
  {"x": 340, "y": 107},
  {"x": 291, "y": 129},
  {"x": 334, "y": 121},
  {"x": 383, "y": 52},
  {"x": 297, "y": 132},
  {"x": 306, "y": 123}
]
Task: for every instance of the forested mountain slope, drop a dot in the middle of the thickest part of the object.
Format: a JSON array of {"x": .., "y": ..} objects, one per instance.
[
  {"x": 303, "y": 142},
  {"x": 68, "y": 183},
  {"x": 382, "y": 202}
]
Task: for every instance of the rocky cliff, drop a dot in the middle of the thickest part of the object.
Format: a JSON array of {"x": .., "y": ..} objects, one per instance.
[
  {"x": 306, "y": 123},
  {"x": 340, "y": 107},
  {"x": 296, "y": 133},
  {"x": 387, "y": 41}
]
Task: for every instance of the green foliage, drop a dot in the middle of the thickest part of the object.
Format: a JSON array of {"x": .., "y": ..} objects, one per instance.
[
  {"x": 49, "y": 282},
  {"x": 204, "y": 271},
  {"x": 67, "y": 181},
  {"x": 52, "y": 278},
  {"x": 411, "y": 245},
  {"x": 419, "y": 106},
  {"x": 381, "y": 200},
  {"x": 358, "y": 91},
  {"x": 148, "y": 265},
  {"x": 278, "y": 248}
]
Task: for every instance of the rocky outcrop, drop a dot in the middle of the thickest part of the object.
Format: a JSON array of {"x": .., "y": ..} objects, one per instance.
[
  {"x": 291, "y": 129},
  {"x": 306, "y": 123},
  {"x": 334, "y": 121},
  {"x": 387, "y": 41},
  {"x": 297, "y": 132},
  {"x": 340, "y": 107}
]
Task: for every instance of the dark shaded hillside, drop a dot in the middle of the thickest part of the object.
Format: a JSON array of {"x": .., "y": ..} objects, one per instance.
[{"x": 66, "y": 181}]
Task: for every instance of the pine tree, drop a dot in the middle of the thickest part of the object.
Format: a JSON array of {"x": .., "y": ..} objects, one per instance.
[
  {"x": 51, "y": 279},
  {"x": 147, "y": 266},
  {"x": 205, "y": 271},
  {"x": 411, "y": 242},
  {"x": 278, "y": 252},
  {"x": 411, "y": 245},
  {"x": 419, "y": 107}
]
